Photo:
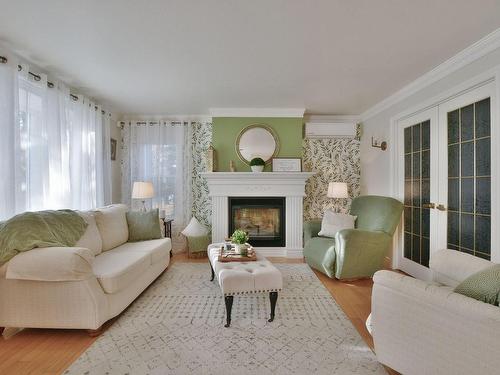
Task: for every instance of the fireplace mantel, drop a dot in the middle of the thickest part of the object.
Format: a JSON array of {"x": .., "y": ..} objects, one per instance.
[{"x": 290, "y": 185}]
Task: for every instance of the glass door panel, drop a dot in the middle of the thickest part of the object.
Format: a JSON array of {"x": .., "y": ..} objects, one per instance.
[
  {"x": 416, "y": 214},
  {"x": 418, "y": 168},
  {"x": 469, "y": 179}
]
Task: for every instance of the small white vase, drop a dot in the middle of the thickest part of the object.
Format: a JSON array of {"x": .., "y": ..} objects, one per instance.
[
  {"x": 237, "y": 248},
  {"x": 257, "y": 168}
]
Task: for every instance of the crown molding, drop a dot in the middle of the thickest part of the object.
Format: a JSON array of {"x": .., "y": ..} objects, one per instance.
[
  {"x": 470, "y": 54},
  {"x": 331, "y": 118},
  {"x": 257, "y": 112}
]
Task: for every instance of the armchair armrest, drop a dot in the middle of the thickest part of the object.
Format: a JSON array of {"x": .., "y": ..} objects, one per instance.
[
  {"x": 360, "y": 253},
  {"x": 51, "y": 264},
  {"x": 311, "y": 229}
]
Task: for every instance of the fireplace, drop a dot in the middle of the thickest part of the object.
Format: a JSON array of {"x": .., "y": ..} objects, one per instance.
[{"x": 262, "y": 217}]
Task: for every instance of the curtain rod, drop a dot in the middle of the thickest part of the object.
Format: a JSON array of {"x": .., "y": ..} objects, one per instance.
[
  {"x": 36, "y": 77},
  {"x": 151, "y": 123}
]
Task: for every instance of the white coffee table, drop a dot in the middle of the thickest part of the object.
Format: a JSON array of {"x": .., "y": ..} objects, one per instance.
[{"x": 235, "y": 278}]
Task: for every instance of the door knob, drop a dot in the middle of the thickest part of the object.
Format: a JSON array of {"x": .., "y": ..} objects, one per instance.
[
  {"x": 429, "y": 205},
  {"x": 441, "y": 207}
]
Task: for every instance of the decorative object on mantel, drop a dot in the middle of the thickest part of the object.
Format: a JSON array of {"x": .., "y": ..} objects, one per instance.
[
  {"x": 257, "y": 140},
  {"x": 257, "y": 164},
  {"x": 211, "y": 159},
  {"x": 143, "y": 190},
  {"x": 381, "y": 145},
  {"x": 240, "y": 238},
  {"x": 337, "y": 190},
  {"x": 287, "y": 165},
  {"x": 231, "y": 166}
]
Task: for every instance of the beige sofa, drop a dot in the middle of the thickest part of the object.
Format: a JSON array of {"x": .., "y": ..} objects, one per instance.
[
  {"x": 423, "y": 327},
  {"x": 81, "y": 286}
]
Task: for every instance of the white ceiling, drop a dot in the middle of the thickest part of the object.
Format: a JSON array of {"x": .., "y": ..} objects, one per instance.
[{"x": 184, "y": 57}]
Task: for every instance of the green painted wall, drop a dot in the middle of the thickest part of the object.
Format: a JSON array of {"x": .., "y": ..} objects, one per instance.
[{"x": 226, "y": 129}]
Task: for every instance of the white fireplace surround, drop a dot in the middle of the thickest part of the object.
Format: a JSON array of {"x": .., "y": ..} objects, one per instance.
[{"x": 290, "y": 185}]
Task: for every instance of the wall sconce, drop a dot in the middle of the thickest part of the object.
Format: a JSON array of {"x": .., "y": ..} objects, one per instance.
[{"x": 382, "y": 145}]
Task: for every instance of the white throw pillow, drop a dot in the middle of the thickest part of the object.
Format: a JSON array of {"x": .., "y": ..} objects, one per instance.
[
  {"x": 333, "y": 222},
  {"x": 195, "y": 229}
]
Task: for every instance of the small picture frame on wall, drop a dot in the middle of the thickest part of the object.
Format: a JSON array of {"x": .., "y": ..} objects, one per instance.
[
  {"x": 113, "y": 149},
  {"x": 287, "y": 165}
]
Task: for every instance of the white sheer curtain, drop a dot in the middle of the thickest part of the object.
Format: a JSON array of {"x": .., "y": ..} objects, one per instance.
[
  {"x": 156, "y": 152},
  {"x": 54, "y": 151}
]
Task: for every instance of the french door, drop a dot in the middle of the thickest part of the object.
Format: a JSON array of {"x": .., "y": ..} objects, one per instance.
[{"x": 445, "y": 180}]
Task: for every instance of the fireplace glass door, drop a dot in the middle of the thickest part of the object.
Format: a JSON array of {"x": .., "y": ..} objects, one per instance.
[{"x": 262, "y": 218}]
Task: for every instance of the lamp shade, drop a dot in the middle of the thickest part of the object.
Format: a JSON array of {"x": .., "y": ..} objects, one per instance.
[
  {"x": 143, "y": 190},
  {"x": 337, "y": 190}
]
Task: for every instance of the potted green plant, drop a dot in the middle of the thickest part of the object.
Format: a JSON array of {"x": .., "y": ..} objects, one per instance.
[
  {"x": 239, "y": 238},
  {"x": 257, "y": 164}
]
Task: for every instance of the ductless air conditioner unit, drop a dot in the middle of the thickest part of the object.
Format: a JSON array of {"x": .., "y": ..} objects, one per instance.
[{"x": 330, "y": 130}]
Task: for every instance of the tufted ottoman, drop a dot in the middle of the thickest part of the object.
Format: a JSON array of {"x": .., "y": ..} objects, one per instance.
[{"x": 245, "y": 277}]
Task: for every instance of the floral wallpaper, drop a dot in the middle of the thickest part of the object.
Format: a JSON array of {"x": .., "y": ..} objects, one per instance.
[
  {"x": 336, "y": 159},
  {"x": 201, "y": 202}
]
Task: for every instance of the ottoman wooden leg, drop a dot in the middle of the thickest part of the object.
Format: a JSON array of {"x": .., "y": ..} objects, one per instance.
[
  {"x": 213, "y": 273},
  {"x": 229, "y": 306},
  {"x": 273, "y": 297}
]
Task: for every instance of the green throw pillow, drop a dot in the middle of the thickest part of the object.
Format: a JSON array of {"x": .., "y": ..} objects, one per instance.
[
  {"x": 143, "y": 226},
  {"x": 483, "y": 286}
]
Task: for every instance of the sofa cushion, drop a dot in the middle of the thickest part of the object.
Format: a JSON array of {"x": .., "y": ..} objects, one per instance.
[
  {"x": 112, "y": 224},
  {"x": 91, "y": 239},
  {"x": 157, "y": 249},
  {"x": 115, "y": 270},
  {"x": 143, "y": 225},
  {"x": 320, "y": 254},
  {"x": 451, "y": 267},
  {"x": 52, "y": 264}
]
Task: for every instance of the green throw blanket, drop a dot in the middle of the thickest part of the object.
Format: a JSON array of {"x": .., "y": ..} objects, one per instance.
[{"x": 29, "y": 230}]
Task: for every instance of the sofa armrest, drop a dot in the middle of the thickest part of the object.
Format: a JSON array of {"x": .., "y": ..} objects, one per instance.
[
  {"x": 311, "y": 229},
  {"x": 451, "y": 267},
  {"x": 51, "y": 264},
  {"x": 436, "y": 296},
  {"x": 360, "y": 253}
]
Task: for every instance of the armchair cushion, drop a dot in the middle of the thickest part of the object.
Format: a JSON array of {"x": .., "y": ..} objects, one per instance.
[{"x": 52, "y": 264}]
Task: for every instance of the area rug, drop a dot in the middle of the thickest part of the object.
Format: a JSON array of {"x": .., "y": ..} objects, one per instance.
[{"x": 177, "y": 327}]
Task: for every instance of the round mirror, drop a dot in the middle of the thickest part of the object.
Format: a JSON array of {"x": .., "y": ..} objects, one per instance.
[{"x": 257, "y": 141}]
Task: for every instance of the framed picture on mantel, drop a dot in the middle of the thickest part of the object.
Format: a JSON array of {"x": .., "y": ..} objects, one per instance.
[{"x": 287, "y": 165}]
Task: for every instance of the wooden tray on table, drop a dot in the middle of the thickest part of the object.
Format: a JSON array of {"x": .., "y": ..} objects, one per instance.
[{"x": 231, "y": 256}]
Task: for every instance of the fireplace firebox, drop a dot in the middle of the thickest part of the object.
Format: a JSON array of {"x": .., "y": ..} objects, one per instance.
[{"x": 262, "y": 217}]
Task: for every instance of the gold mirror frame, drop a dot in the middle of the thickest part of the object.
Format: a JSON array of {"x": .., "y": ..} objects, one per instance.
[{"x": 252, "y": 126}]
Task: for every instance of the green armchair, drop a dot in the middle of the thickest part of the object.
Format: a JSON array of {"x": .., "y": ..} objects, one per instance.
[{"x": 359, "y": 252}]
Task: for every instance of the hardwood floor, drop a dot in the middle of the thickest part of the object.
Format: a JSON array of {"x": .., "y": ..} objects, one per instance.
[{"x": 45, "y": 351}]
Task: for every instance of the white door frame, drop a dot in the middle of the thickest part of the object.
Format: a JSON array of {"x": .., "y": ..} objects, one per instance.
[{"x": 431, "y": 114}]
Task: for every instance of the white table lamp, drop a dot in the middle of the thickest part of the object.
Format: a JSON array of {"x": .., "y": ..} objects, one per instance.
[
  {"x": 337, "y": 190},
  {"x": 143, "y": 190}
]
